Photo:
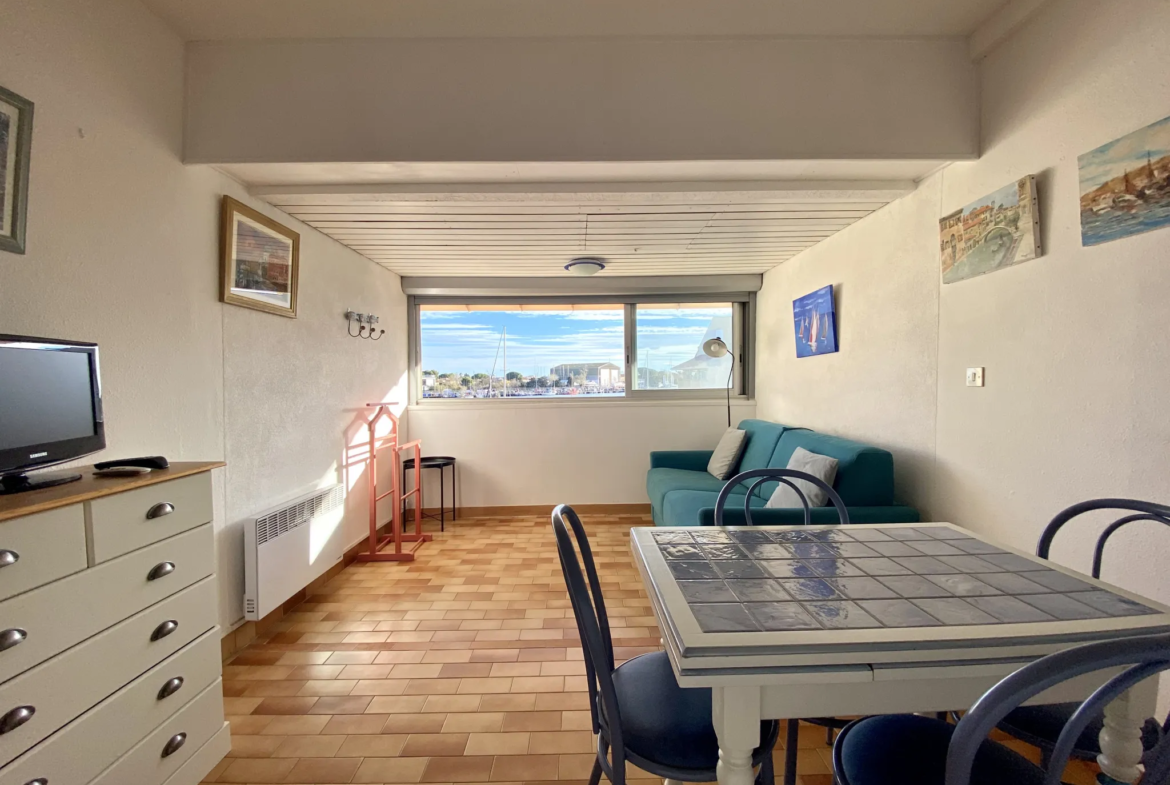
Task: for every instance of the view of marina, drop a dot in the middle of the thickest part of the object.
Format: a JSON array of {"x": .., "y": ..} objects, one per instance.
[{"x": 546, "y": 351}]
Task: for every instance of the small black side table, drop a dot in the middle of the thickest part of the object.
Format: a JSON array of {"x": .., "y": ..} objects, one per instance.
[{"x": 439, "y": 462}]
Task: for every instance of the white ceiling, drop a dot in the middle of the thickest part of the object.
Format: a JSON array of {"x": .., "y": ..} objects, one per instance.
[
  {"x": 536, "y": 234},
  {"x": 238, "y": 19}
]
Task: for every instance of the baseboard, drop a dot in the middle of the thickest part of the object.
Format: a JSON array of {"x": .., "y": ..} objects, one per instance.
[{"x": 543, "y": 509}]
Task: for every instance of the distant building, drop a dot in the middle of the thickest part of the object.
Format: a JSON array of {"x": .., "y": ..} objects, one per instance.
[
  {"x": 428, "y": 382},
  {"x": 578, "y": 374}
]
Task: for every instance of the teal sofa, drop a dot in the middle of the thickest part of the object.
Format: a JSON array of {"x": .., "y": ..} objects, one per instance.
[{"x": 682, "y": 493}]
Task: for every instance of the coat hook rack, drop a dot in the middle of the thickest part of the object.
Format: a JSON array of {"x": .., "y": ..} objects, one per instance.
[{"x": 365, "y": 326}]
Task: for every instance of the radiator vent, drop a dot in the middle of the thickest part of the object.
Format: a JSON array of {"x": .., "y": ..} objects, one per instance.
[
  {"x": 284, "y": 520},
  {"x": 289, "y": 546}
]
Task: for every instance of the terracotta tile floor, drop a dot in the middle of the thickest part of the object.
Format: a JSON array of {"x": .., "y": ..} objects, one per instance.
[{"x": 461, "y": 667}]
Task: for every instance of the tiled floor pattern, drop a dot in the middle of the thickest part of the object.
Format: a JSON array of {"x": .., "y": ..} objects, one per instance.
[{"x": 461, "y": 667}]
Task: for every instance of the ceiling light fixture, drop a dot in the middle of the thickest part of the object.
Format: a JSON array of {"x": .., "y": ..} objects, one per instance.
[{"x": 585, "y": 266}]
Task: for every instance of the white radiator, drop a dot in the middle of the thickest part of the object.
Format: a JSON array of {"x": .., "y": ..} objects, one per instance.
[{"x": 287, "y": 547}]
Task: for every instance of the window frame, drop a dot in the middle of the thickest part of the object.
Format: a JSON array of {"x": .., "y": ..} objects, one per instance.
[{"x": 743, "y": 338}]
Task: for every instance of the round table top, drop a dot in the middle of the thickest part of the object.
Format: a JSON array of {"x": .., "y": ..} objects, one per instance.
[{"x": 431, "y": 461}]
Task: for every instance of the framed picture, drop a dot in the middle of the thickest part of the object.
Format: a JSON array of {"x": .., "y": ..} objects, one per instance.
[
  {"x": 1125, "y": 185},
  {"x": 16, "y": 124},
  {"x": 998, "y": 231},
  {"x": 816, "y": 323},
  {"x": 260, "y": 261}
]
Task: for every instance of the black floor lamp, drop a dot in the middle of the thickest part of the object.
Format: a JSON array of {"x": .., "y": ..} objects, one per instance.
[{"x": 717, "y": 348}]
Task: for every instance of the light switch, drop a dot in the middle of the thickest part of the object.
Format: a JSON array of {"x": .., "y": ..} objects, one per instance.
[{"x": 974, "y": 377}]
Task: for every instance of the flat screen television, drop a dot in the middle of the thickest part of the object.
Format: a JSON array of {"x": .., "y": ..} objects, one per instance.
[{"x": 50, "y": 408}]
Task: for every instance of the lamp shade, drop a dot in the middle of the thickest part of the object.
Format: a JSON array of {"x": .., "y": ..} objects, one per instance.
[{"x": 715, "y": 348}]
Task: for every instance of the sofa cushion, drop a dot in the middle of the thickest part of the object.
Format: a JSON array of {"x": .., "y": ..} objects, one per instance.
[
  {"x": 660, "y": 482},
  {"x": 727, "y": 453},
  {"x": 762, "y": 438},
  {"x": 681, "y": 507},
  {"x": 822, "y": 467},
  {"x": 865, "y": 475}
]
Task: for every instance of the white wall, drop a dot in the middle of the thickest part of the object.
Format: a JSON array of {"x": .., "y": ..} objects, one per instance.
[
  {"x": 1074, "y": 343},
  {"x": 547, "y": 453},
  {"x": 879, "y": 388},
  {"x": 626, "y": 99},
  {"x": 123, "y": 250}
]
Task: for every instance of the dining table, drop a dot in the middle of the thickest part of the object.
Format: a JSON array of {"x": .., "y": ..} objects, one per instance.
[{"x": 785, "y": 622}]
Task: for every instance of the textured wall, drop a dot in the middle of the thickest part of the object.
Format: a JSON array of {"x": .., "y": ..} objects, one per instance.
[
  {"x": 1074, "y": 343},
  {"x": 123, "y": 250},
  {"x": 561, "y": 452},
  {"x": 880, "y": 388},
  {"x": 616, "y": 99}
]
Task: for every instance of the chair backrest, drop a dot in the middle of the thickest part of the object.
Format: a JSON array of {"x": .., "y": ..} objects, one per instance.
[
  {"x": 592, "y": 625},
  {"x": 1139, "y": 511},
  {"x": 786, "y": 476},
  {"x": 1142, "y": 656}
]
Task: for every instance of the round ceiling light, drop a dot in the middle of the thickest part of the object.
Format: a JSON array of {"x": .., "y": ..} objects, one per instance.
[{"x": 585, "y": 266}]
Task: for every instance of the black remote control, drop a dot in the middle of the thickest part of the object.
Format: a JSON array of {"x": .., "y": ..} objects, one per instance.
[{"x": 149, "y": 462}]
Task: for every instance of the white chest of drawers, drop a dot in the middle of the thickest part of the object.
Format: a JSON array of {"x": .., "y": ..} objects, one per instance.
[{"x": 109, "y": 647}]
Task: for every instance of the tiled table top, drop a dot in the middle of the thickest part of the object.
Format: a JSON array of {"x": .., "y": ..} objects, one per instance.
[
  {"x": 862, "y": 583},
  {"x": 752, "y": 580}
]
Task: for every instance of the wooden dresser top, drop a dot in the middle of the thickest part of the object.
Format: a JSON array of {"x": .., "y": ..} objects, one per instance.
[{"x": 90, "y": 487}]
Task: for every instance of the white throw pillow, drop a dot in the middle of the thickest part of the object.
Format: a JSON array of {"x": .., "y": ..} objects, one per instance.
[
  {"x": 727, "y": 453},
  {"x": 820, "y": 466}
]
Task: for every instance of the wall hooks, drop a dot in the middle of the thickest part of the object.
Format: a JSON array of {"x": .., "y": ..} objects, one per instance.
[{"x": 365, "y": 326}]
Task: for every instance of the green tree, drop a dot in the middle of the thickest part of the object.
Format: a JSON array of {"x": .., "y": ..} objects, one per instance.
[{"x": 514, "y": 376}]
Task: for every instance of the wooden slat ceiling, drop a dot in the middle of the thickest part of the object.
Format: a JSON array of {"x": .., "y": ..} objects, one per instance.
[{"x": 635, "y": 236}]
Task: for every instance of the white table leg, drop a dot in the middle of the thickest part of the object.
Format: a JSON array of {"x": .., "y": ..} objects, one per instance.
[
  {"x": 735, "y": 712},
  {"x": 1121, "y": 737}
]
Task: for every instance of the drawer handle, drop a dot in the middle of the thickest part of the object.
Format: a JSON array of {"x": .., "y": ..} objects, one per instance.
[
  {"x": 174, "y": 744},
  {"x": 159, "y": 510},
  {"x": 38, "y": 781},
  {"x": 8, "y": 558},
  {"x": 15, "y": 718},
  {"x": 12, "y": 637},
  {"x": 160, "y": 571},
  {"x": 170, "y": 688},
  {"x": 163, "y": 630}
]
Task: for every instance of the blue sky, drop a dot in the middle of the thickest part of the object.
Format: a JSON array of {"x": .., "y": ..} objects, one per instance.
[
  {"x": 1129, "y": 152},
  {"x": 466, "y": 342}
]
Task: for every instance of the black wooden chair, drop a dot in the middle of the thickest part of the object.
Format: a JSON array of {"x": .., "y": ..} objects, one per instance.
[
  {"x": 640, "y": 714},
  {"x": 787, "y": 477},
  {"x": 1040, "y": 726},
  {"x": 906, "y": 749}
]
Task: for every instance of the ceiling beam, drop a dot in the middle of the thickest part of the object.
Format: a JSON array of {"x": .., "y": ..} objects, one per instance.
[{"x": 1000, "y": 26}]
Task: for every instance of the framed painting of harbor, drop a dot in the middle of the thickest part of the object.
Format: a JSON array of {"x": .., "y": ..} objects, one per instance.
[
  {"x": 1125, "y": 185},
  {"x": 815, "y": 319},
  {"x": 1000, "y": 230}
]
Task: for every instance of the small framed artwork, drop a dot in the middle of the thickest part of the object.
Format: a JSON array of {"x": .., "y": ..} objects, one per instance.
[
  {"x": 816, "y": 323},
  {"x": 260, "y": 261},
  {"x": 16, "y": 125}
]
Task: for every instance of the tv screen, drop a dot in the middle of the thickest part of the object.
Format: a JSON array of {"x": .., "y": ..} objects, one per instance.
[{"x": 50, "y": 404}]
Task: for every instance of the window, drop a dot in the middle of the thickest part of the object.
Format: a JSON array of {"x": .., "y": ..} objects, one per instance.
[
  {"x": 479, "y": 349},
  {"x": 522, "y": 351},
  {"x": 668, "y": 341}
]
